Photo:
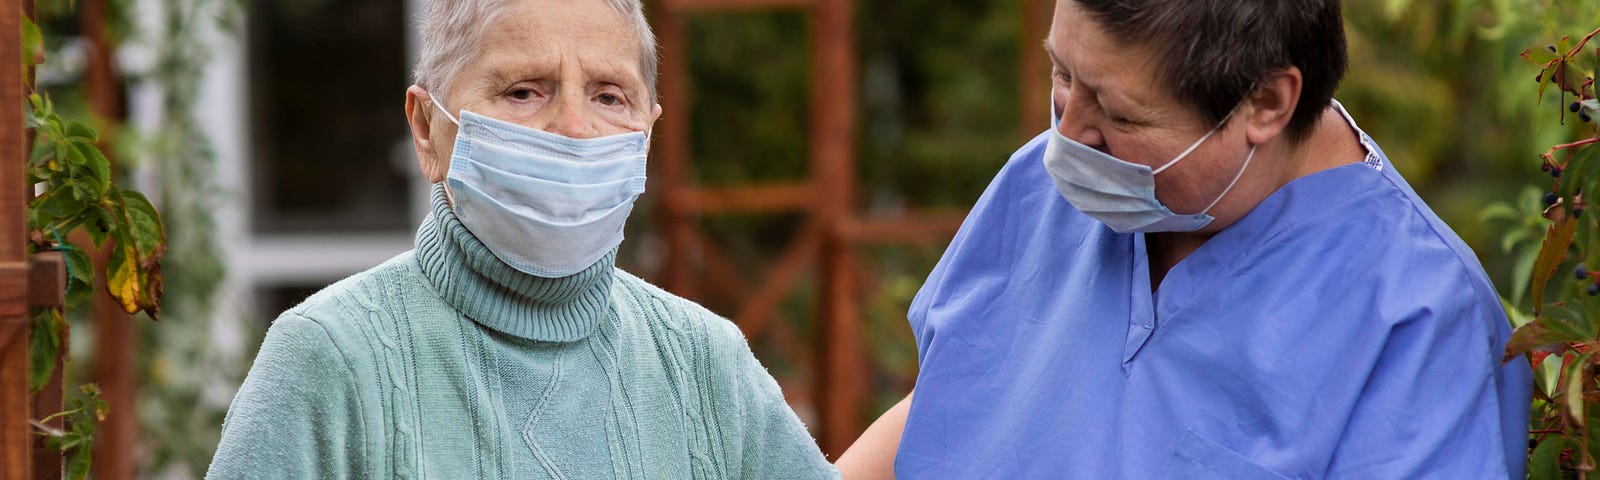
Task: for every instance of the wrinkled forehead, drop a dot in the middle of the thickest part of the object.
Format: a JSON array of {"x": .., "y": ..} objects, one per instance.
[{"x": 534, "y": 37}]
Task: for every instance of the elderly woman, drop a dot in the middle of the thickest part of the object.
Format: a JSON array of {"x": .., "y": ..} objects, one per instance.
[
  {"x": 507, "y": 345},
  {"x": 1304, "y": 316}
]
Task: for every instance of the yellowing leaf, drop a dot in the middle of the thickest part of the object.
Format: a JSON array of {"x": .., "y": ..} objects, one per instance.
[{"x": 122, "y": 277}]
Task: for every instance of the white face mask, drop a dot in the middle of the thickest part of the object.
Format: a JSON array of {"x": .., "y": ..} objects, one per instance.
[
  {"x": 545, "y": 204},
  {"x": 1122, "y": 194}
]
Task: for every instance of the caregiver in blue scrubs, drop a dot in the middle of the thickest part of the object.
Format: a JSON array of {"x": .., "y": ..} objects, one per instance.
[{"x": 1204, "y": 269}]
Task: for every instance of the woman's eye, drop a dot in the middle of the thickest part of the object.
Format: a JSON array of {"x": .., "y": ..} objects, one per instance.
[
  {"x": 609, "y": 99},
  {"x": 522, "y": 94}
]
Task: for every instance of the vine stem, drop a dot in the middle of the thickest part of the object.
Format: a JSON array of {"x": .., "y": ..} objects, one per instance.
[
  {"x": 1584, "y": 41},
  {"x": 1550, "y": 154}
]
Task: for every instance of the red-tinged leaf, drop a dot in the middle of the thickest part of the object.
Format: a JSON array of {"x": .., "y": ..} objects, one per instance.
[
  {"x": 1567, "y": 78},
  {"x": 1538, "y": 357},
  {"x": 1530, "y": 337},
  {"x": 1557, "y": 239}
]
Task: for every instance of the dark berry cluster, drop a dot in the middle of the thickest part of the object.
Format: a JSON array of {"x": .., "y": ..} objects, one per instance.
[{"x": 1583, "y": 273}]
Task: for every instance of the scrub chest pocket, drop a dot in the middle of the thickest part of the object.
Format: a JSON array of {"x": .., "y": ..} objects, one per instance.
[{"x": 1197, "y": 458}]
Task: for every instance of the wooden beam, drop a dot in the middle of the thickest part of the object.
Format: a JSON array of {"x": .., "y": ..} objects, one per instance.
[
  {"x": 911, "y": 228},
  {"x": 757, "y": 311},
  {"x": 745, "y": 199}
]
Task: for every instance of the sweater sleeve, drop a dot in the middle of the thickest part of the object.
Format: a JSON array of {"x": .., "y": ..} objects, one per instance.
[
  {"x": 297, "y": 414},
  {"x": 773, "y": 443}
]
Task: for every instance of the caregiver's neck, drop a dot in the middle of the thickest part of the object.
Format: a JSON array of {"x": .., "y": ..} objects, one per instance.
[{"x": 1331, "y": 143}]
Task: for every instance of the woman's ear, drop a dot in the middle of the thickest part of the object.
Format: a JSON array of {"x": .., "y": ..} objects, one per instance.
[
  {"x": 1269, "y": 107},
  {"x": 420, "y": 116}
]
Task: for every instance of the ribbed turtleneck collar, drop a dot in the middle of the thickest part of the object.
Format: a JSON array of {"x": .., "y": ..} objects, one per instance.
[{"x": 476, "y": 283}]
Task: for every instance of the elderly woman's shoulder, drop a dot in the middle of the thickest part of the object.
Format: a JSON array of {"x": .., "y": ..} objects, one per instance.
[
  {"x": 364, "y": 294},
  {"x": 665, "y": 309}
]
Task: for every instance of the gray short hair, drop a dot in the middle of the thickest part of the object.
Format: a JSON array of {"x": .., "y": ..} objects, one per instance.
[{"x": 452, "y": 29}]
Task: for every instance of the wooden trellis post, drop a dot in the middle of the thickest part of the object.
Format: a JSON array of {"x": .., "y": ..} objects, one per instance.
[
  {"x": 116, "y": 332},
  {"x": 833, "y": 230},
  {"x": 1035, "y": 77},
  {"x": 15, "y": 402},
  {"x": 25, "y": 283}
]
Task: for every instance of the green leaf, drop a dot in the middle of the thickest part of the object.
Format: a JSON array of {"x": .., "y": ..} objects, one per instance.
[
  {"x": 78, "y": 462},
  {"x": 1584, "y": 167},
  {"x": 1572, "y": 398},
  {"x": 79, "y": 131},
  {"x": 144, "y": 223},
  {"x": 41, "y": 151},
  {"x": 1538, "y": 55},
  {"x": 1545, "y": 463},
  {"x": 1512, "y": 238},
  {"x": 80, "y": 275},
  {"x": 1520, "y": 277},
  {"x": 1544, "y": 80},
  {"x": 32, "y": 48},
  {"x": 98, "y": 166},
  {"x": 1548, "y": 375},
  {"x": 55, "y": 206},
  {"x": 98, "y": 224},
  {"x": 1568, "y": 322},
  {"x": 1499, "y": 211},
  {"x": 44, "y": 346}
]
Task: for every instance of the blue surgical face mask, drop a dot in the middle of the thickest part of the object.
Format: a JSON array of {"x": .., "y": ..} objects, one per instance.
[
  {"x": 545, "y": 204},
  {"x": 1122, "y": 194}
]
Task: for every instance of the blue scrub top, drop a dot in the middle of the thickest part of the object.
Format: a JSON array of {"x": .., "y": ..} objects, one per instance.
[{"x": 1338, "y": 330}]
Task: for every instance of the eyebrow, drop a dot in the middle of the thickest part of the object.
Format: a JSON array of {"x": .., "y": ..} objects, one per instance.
[
  {"x": 1124, "y": 99},
  {"x": 1055, "y": 58}
]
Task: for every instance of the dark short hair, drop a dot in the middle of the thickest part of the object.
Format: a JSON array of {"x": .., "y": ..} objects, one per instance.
[{"x": 1210, "y": 53}]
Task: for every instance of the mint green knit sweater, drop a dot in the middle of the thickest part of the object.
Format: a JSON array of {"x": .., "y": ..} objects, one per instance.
[{"x": 445, "y": 363}]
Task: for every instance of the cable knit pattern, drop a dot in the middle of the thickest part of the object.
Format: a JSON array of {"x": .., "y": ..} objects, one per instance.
[{"x": 446, "y": 363}]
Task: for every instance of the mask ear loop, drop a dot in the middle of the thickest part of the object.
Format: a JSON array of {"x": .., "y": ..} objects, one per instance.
[
  {"x": 1235, "y": 181},
  {"x": 449, "y": 196},
  {"x": 436, "y": 103},
  {"x": 1208, "y": 135},
  {"x": 1197, "y": 144}
]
